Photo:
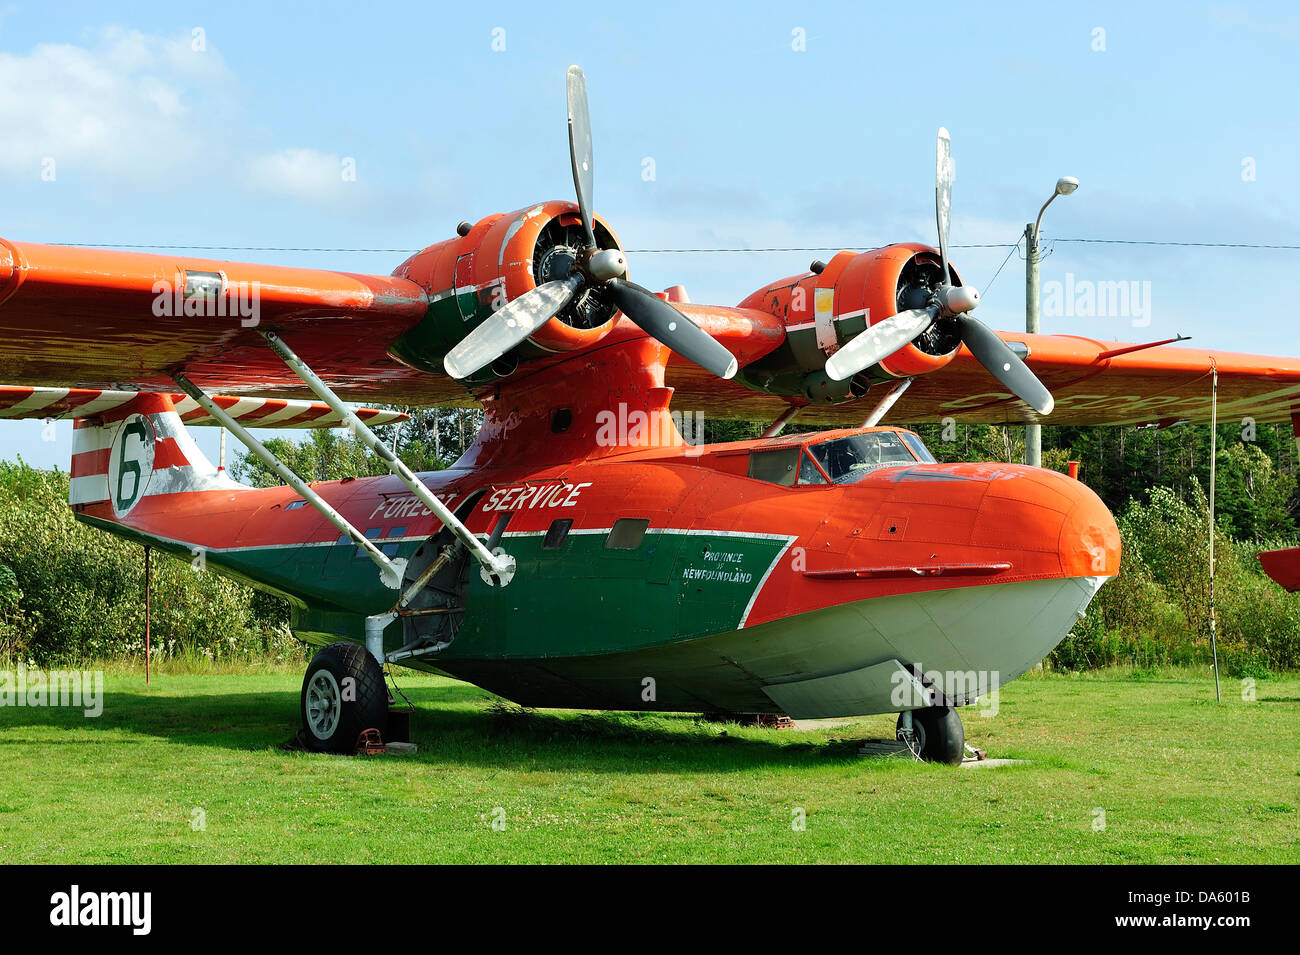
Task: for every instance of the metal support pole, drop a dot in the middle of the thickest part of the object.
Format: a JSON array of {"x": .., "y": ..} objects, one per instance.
[
  {"x": 497, "y": 569},
  {"x": 777, "y": 426},
  {"x": 222, "y": 462},
  {"x": 390, "y": 571},
  {"x": 1214, "y": 460},
  {"x": 375, "y": 634},
  {"x": 1033, "y": 432},
  {"x": 882, "y": 408},
  {"x": 148, "y": 613}
]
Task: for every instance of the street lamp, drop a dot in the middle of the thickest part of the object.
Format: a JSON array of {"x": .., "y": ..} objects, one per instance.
[{"x": 1064, "y": 186}]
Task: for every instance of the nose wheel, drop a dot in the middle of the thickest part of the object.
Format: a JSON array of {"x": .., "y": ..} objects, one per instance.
[{"x": 933, "y": 733}]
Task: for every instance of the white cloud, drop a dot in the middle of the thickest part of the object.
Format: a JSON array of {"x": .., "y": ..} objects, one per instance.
[
  {"x": 132, "y": 106},
  {"x": 305, "y": 174}
]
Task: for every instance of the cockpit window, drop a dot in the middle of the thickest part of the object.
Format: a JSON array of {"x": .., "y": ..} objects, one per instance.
[
  {"x": 775, "y": 467},
  {"x": 849, "y": 459},
  {"x": 809, "y": 473},
  {"x": 918, "y": 448}
]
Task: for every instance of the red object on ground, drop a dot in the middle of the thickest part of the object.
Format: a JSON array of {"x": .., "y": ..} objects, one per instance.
[
  {"x": 370, "y": 743},
  {"x": 1074, "y": 469},
  {"x": 1283, "y": 566}
]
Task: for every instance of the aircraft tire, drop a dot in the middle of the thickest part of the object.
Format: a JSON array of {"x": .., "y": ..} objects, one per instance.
[
  {"x": 939, "y": 734},
  {"x": 335, "y": 712}
]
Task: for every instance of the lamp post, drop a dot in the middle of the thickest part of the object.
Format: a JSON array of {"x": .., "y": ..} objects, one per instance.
[{"x": 1064, "y": 186}]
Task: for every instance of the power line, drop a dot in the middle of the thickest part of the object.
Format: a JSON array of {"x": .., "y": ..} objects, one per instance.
[
  {"x": 277, "y": 248},
  {"x": 226, "y": 248},
  {"x": 973, "y": 245},
  {"x": 1193, "y": 245},
  {"x": 824, "y": 248},
  {"x": 989, "y": 285}
]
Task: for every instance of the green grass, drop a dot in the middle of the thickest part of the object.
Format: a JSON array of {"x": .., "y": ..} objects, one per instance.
[{"x": 1180, "y": 779}]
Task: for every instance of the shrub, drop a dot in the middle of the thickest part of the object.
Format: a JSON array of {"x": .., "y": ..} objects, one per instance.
[
  {"x": 70, "y": 593},
  {"x": 1156, "y": 611}
]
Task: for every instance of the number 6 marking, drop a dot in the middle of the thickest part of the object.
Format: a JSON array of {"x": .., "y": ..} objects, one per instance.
[{"x": 131, "y": 467}]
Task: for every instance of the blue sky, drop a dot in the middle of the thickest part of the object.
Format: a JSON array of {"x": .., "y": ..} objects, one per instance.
[{"x": 1163, "y": 116}]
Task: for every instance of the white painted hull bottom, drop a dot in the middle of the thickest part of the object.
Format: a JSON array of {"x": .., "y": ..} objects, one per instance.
[
  {"x": 850, "y": 660},
  {"x": 968, "y": 641}
]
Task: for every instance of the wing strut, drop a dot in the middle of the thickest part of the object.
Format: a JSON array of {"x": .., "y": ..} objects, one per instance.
[
  {"x": 777, "y": 426},
  {"x": 390, "y": 571},
  {"x": 498, "y": 568},
  {"x": 882, "y": 408}
]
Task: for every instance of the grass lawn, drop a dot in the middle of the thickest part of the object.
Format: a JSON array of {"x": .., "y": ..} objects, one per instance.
[{"x": 1179, "y": 778}]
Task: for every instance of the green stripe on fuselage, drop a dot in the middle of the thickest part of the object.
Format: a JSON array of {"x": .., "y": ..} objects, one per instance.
[
  {"x": 580, "y": 599},
  {"x": 584, "y": 599}
]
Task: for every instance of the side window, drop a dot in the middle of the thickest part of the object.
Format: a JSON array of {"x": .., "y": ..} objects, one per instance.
[
  {"x": 626, "y": 534},
  {"x": 918, "y": 447},
  {"x": 775, "y": 467},
  {"x": 809, "y": 473},
  {"x": 556, "y": 533},
  {"x": 372, "y": 533}
]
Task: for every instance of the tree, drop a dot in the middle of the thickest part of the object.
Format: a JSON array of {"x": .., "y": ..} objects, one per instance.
[{"x": 1253, "y": 500}]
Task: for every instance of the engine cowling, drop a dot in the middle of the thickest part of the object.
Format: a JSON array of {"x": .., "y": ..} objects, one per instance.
[
  {"x": 498, "y": 259},
  {"x": 824, "y": 309}
]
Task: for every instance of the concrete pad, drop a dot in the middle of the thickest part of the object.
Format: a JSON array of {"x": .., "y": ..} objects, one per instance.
[
  {"x": 808, "y": 725},
  {"x": 893, "y": 747}
]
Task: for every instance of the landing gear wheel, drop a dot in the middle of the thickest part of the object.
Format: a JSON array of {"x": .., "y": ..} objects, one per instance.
[
  {"x": 343, "y": 695},
  {"x": 940, "y": 737}
]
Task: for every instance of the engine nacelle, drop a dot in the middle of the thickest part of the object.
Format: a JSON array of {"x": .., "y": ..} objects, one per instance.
[
  {"x": 500, "y": 258},
  {"x": 823, "y": 310}
]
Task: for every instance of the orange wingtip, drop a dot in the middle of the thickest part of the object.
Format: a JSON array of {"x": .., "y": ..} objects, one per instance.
[{"x": 1283, "y": 566}]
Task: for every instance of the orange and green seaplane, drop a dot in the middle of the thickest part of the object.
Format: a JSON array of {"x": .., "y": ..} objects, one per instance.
[{"x": 584, "y": 553}]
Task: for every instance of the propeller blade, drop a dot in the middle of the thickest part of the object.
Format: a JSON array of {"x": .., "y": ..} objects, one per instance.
[
  {"x": 670, "y": 327},
  {"x": 943, "y": 175},
  {"x": 580, "y": 148},
  {"x": 879, "y": 341},
  {"x": 509, "y": 325},
  {"x": 1004, "y": 364}
]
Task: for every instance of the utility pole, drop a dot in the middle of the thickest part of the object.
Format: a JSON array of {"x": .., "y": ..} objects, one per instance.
[
  {"x": 1214, "y": 460},
  {"x": 1033, "y": 432},
  {"x": 1064, "y": 186}
]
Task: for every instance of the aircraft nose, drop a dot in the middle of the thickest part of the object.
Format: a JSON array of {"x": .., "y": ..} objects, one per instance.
[
  {"x": 1048, "y": 511},
  {"x": 1090, "y": 542}
]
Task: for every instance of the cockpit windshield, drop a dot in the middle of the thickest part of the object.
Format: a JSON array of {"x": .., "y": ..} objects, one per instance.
[
  {"x": 842, "y": 460},
  {"x": 848, "y": 459}
]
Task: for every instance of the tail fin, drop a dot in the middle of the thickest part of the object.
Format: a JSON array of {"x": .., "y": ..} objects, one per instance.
[{"x": 138, "y": 450}]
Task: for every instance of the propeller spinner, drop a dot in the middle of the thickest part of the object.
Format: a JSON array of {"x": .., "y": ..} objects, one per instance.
[
  {"x": 950, "y": 304},
  {"x": 520, "y": 318}
]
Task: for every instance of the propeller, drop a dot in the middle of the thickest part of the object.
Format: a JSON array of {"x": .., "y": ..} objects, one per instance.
[
  {"x": 950, "y": 304},
  {"x": 520, "y": 318}
]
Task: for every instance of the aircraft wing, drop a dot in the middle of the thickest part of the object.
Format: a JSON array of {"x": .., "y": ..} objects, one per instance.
[
  {"x": 93, "y": 318},
  {"x": 125, "y": 321},
  {"x": 116, "y": 321},
  {"x": 1094, "y": 383}
]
